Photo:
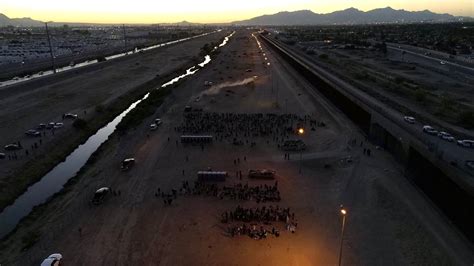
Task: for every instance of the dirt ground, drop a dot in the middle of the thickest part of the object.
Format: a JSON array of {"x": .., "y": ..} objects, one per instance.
[
  {"x": 388, "y": 223},
  {"x": 24, "y": 106}
]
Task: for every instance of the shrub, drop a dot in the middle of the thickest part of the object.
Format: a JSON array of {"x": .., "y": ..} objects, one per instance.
[
  {"x": 323, "y": 56},
  {"x": 466, "y": 118},
  {"x": 79, "y": 123},
  {"x": 30, "y": 239},
  {"x": 420, "y": 95},
  {"x": 99, "y": 108}
]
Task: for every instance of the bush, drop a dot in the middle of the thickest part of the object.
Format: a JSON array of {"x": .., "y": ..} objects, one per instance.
[
  {"x": 323, "y": 56},
  {"x": 30, "y": 239},
  {"x": 466, "y": 118},
  {"x": 447, "y": 103},
  {"x": 420, "y": 95},
  {"x": 99, "y": 108},
  {"x": 144, "y": 109},
  {"x": 398, "y": 80},
  {"x": 79, "y": 123}
]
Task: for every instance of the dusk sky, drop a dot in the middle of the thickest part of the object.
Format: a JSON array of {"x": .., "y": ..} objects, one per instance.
[{"x": 145, "y": 11}]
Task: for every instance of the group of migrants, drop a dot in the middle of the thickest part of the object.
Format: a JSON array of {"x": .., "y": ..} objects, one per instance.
[
  {"x": 265, "y": 215},
  {"x": 239, "y": 191},
  {"x": 254, "y": 216},
  {"x": 167, "y": 197},
  {"x": 242, "y": 128},
  {"x": 252, "y": 231}
]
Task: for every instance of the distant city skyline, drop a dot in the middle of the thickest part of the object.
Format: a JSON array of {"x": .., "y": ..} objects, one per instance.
[{"x": 207, "y": 11}]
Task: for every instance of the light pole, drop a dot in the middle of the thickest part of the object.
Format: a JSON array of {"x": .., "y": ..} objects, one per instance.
[
  {"x": 301, "y": 132},
  {"x": 343, "y": 212},
  {"x": 50, "y": 48}
]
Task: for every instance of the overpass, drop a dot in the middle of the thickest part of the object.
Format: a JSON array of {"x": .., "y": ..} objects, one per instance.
[{"x": 437, "y": 169}]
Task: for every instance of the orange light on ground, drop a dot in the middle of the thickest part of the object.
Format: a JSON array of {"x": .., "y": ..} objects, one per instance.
[
  {"x": 343, "y": 211},
  {"x": 301, "y": 131}
]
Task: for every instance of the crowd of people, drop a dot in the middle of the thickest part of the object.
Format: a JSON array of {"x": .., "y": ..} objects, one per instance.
[
  {"x": 252, "y": 231},
  {"x": 242, "y": 128},
  {"x": 265, "y": 215},
  {"x": 261, "y": 193},
  {"x": 255, "y": 216}
]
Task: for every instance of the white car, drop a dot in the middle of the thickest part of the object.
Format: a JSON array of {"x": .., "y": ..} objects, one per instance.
[
  {"x": 153, "y": 127},
  {"x": 53, "y": 260},
  {"x": 12, "y": 147},
  {"x": 70, "y": 115},
  {"x": 442, "y": 63},
  {"x": 158, "y": 121},
  {"x": 58, "y": 125},
  {"x": 470, "y": 164},
  {"x": 429, "y": 130},
  {"x": 466, "y": 143},
  {"x": 446, "y": 136},
  {"x": 409, "y": 119},
  {"x": 33, "y": 133}
]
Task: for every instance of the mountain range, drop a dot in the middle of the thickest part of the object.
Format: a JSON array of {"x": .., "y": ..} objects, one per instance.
[
  {"x": 19, "y": 22},
  {"x": 28, "y": 22},
  {"x": 302, "y": 17},
  {"x": 350, "y": 16}
]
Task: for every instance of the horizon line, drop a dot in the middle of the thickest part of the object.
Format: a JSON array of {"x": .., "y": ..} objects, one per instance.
[{"x": 228, "y": 22}]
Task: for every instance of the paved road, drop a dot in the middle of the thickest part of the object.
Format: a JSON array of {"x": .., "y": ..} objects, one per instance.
[
  {"x": 447, "y": 150},
  {"x": 434, "y": 61}
]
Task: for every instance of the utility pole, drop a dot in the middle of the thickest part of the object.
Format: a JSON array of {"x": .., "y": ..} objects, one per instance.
[
  {"x": 124, "y": 36},
  {"x": 343, "y": 212},
  {"x": 50, "y": 48},
  {"x": 276, "y": 96},
  {"x": 271, "y": 73}
]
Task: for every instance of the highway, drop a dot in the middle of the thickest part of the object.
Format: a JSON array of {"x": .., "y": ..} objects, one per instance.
[
  {"x": 434, "y": 61},
  {"x": 447, "y": 151}
]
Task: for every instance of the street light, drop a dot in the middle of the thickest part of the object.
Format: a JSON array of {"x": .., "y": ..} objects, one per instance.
[
  {"x": 301, "y": 132},
  {"x": 344, "y": 213}
]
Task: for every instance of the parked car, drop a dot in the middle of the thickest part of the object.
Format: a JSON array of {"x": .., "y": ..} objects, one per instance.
[
  {"x": 446, "y": 136},
  {"x": 50, "y": 125},
  {"x": 52, "y": 260},
  {"x": 33, "y": 133},
  {"x": 100, "y": 195},
  {"x": 58, "y": 125},
  {"x": 409, "y": 119},
  {"x": 70, "y": 116},
  {"x": 467, "y": 143},
  {"x": 158, "y": 121},
  {"x": 127, "y": 164},
  {"x": 153, "y": 127},
  {"x": 470, "y": 164},
  {"x": 262, "y": 174},
  {"x": 187, "y": 108},
  {"x": 41, "y": 126},
  {"x": 442, "y": 62},
  {"x": 429, "y": 130},
  {"x": 207, "y": 83},
  {"x": 12, "y": 147},
  {"x": 2, "y": 155}
]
